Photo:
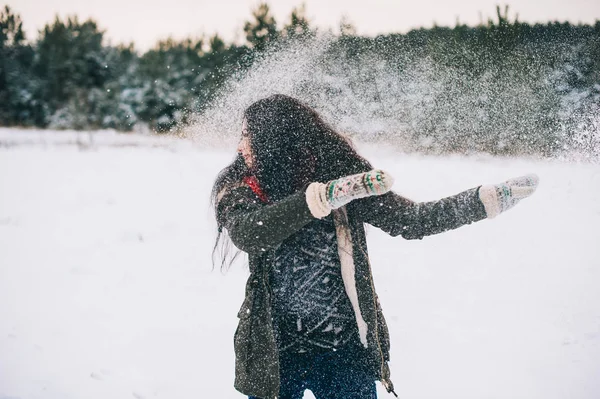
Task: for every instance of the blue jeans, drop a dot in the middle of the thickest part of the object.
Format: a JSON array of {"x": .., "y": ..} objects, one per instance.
[{"x": 342, "y": 374}]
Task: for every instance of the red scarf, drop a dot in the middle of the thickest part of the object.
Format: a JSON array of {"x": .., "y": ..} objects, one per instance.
[{"x": 252, "y": 182}]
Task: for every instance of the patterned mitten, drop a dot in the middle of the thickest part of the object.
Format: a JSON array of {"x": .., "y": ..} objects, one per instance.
[
  {"x": 501, "y": 197},
  {"x": 322, "y": 198}
]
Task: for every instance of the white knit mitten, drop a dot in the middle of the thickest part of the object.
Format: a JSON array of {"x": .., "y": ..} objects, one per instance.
[
  {"x": 322, "y": 198},
  {"x": 501, "y": 197}
]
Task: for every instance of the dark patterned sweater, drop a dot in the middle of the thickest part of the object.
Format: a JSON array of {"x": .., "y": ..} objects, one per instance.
[{"x": 311, "y": 310}]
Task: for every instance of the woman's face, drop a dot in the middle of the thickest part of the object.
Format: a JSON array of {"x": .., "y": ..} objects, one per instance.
[{"x": 244, "y": 146}]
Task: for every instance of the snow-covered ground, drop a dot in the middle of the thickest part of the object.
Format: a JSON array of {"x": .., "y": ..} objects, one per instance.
[{"x": 107, "y": 288}]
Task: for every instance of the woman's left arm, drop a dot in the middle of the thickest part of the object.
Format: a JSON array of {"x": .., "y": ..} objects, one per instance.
[{"x": 397, "y": 215}]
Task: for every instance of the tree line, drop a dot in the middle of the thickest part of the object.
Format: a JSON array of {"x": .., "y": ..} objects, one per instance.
[{"x": 68, "y": 77}]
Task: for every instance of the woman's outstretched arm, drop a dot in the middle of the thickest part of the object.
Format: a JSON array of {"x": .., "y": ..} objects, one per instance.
[{"x": 397, "y": 215}]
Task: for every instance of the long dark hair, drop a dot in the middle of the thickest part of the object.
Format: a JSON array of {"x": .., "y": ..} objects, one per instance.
[{"x": 292, "y": 146}]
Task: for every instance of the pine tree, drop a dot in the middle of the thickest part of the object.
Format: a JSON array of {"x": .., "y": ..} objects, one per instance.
[
  {"x": 17, "y": 85},
  {"x": 298, "y": 25},
  {"x": 71, "y": 62},
  {"x": 263, "y": 29}
]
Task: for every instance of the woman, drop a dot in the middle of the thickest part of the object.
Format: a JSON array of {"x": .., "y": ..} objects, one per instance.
[{"x": 295, "y": 199}]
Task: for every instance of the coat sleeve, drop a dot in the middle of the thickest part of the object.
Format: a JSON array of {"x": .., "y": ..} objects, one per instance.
[
  {"x": 254, "y": 226},
  {"x": 397, "y": 215}
]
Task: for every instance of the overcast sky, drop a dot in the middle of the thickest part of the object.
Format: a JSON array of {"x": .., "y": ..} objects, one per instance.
[{"x": 145, "y": 21}]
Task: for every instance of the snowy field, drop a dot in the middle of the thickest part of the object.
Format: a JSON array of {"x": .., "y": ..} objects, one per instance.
[{"x": 107, "y": 288}]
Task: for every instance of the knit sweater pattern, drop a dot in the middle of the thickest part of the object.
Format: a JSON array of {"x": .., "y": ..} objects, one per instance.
[{"x": 311, "y": 310}]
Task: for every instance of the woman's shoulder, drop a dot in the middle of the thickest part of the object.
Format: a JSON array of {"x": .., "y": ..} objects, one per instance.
[
  {"x": 247, "y": 187},
  {"x": 229, "y": 189}
]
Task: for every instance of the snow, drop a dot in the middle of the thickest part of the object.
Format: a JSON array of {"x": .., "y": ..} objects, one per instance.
[{"x": 107, "y": 288}]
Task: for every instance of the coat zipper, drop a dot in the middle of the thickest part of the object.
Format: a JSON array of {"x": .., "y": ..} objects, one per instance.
[
  {"x": 387, "y": 383},
  {"x": 384, "y": 380}
]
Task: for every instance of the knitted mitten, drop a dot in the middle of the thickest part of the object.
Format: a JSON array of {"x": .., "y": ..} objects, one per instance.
[
  {"x": 322, "y": 198},
  {"x": 501, "y": 197}
]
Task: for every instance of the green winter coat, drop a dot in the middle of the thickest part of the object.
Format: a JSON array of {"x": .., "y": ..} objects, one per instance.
[{"x": 258, "y": 229}]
